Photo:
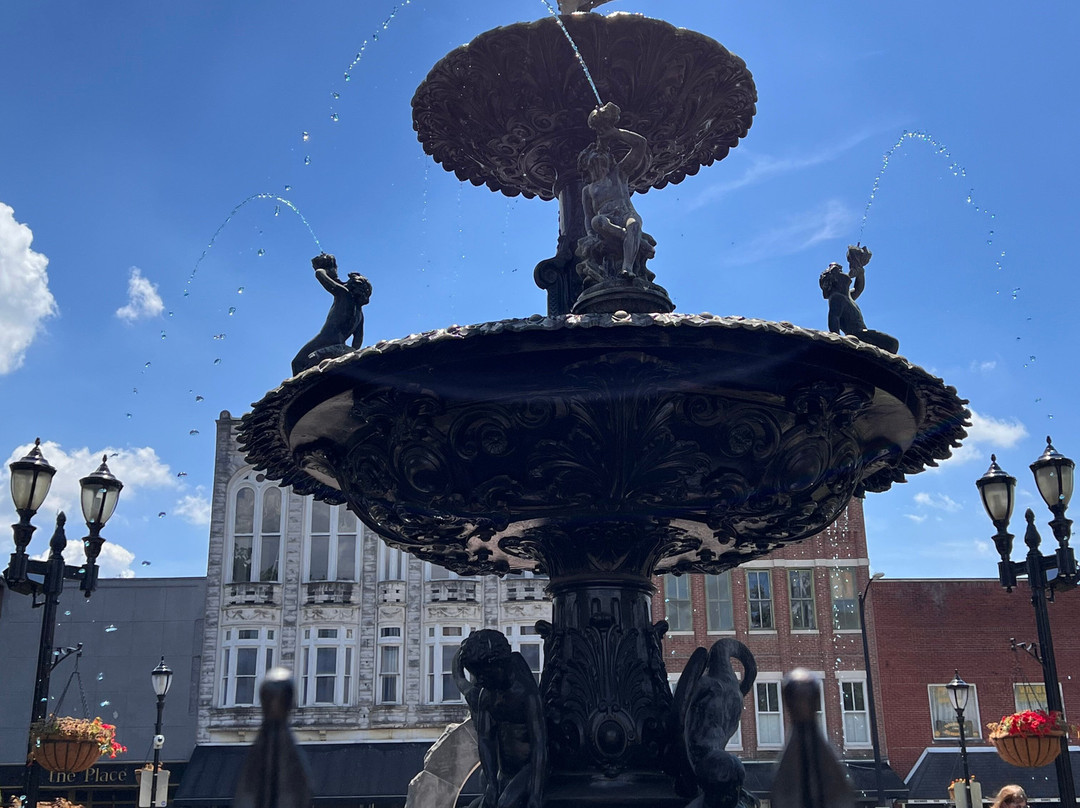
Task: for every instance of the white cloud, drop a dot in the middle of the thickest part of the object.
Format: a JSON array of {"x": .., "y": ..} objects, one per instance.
[
  {"x": 982, "y": 367},
  {"x": 987, "y": 435},
  {"x": 25, "y": 299},
  {"x": 143, "y": 299},
  {"x": 916, "y": 518},
  {"x": 941, "y": 502},
  {"x": 194, "y": 509},
  {"x": 832, "y": 219},
  {"x": 764, "y": 167}
]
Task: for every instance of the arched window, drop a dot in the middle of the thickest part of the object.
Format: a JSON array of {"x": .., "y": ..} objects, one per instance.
[
  {"x": 255, "y": 527},
  {"x": 332, "y": 535}
]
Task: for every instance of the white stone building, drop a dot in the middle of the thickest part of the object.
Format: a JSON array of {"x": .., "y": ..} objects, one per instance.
[{"x": 368, "y": 631}]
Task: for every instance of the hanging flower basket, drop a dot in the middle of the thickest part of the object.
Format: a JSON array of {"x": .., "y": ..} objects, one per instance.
[
  {"x": 66, "y": 744},
  {"x": 1029, "y": 739}
]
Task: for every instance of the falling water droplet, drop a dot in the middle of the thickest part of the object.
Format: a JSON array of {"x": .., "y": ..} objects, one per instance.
[
  {"x": 1050, "y": 416},
  {"x": 288, "y": 187},
  {"x": 1031, "y": 358},
  {"x": 240, "y": 291},
  {"x": 306, "y": 137},
  {"x": 67, "y": 613},
  {"x": 109, "y": 629},
  {"x": 261, "y": 252},
  {"x": 1015, "y": 292},
  {"x": 348, "y": 77},
  {"x": 334, "y": 117},
  {"x": 101, "y": 677},
  {"x": 232, "y": 310},
  {"x": 146, "y": 365},
  {"x": 277, "y": 210},
  {"x": 106, "y": 703},
  {"x": 193, "y": 432},
  {"x": 170, "y": 314},
  {"x": 128, "y": 414},
  {"x": 135, "y": 390},
  {"x": 146, "y": 563},
  {"x": 219, "y": 336},
  {"x": 181, "y": 474},
  {"x": 161, "y": 515},
  {"x": 217, "y": 361},
  {"x": 335, "y": 96},
  {"x": 198, "y": 399},
  {"x": 307, "y": 159},
  {"x": 163, "y": 335}
]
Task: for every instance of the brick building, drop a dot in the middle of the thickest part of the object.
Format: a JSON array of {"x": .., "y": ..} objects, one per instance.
[
  {"x": 929, "y": 629},
  {"x": 796, "y": 608}
]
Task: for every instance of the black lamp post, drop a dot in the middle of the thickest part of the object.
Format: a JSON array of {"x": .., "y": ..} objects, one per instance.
[
  {"x": 1054, "y": 478},
  {"x": 959, "y": 693},
  {"x": 161, "y": 677},
  {"x": 878, "y": 777},
  {"x": 31, "y": 478}
]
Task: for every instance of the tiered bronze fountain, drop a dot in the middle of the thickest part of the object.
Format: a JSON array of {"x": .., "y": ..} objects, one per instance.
[{"x": 612, "y": 439}]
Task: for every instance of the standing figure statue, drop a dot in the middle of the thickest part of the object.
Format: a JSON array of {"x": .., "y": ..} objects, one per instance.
[
  {"x": 844, "y": 314},
  {"x": 504, "y": 702},
  {"x": 708, "y": 704},
  {"x": 614, "y": 249},
  {"x": 345, "y": 319}
]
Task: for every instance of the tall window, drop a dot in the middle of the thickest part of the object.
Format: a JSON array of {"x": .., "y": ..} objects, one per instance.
[
  {"x": 801, "y": 599},
  {"x": 524, "y": 639},
  {"x": 326, "y": 668},
  {"x": 853, "y": 707},
  {"x": 1031, "y": 696},
  {"x": 256, "y": 531},
  {"x": 246, "y": 655},
  {"x": 332, "y": 543},
  {"x": 392, "y": 563},
  {"x": 718, "y": 610},
  {"x": 759, "y": 599},
  {"x": 442, "y": 643},
  {"x": 768, "y": 711},
  {"x": 389, "y": 691},
  {"x": 678, "y": 611},
  {"x": 845, "y": 604},
  {"x": 943, "y": 716}
]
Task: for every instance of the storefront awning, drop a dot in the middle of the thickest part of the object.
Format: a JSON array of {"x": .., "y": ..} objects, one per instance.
[
  {"x": 937, "y": 767},
  {"x": 341, "y": 773},
  {"x": 759, "y": 775}
]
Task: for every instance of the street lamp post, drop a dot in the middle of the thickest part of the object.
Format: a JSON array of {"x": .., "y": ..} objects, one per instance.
[
  {"x": 959, "y": 692},
  {"x": 878, "y": 776},
  {"x": 1054, "y": 477},
  {"x": 31, "y": 478},
  {"x": 161, "y": 678}
]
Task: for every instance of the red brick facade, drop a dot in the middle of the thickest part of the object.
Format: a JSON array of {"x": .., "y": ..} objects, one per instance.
[
  {"x": 836, "y": 654},
  {"x": 927, "y": 629}
]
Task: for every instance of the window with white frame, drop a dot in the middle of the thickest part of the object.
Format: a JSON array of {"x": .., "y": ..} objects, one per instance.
[
  {"x": 524, "y": 638},
  {"x": 801, "y": 600},
  {"x": 845, "y": 603},
  {"x": 332, "y": 534},
  {"x": 768, "y": 713},
  {"x": 246, "y": 655},
  {"x": 255, "y": 529},
  {"x": 390, "y": 654},
  {"x": 433, "y": 572},
  {"x": 393, "y": 563},
  {"x": 855, "y": 712},
  {"x": 943, "y": 717},
  {"x": 719, "y": 614},
  {"x": 442, "y": 643},
  {"x": 326, "y": 666},
  {"x": 677, "y": 607},
  {"x": 1032, "y": 696},
  {"x": 759, "y": 599}
]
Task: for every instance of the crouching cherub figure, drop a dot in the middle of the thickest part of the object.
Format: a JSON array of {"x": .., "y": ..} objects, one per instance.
[
  {"x": 345, "y": 319},
  {"x": 504, "y": 702},
  {"x": 844, "y": 314}
]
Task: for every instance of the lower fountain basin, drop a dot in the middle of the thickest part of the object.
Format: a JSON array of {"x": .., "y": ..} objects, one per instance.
[{"x": 645, "y": 442}]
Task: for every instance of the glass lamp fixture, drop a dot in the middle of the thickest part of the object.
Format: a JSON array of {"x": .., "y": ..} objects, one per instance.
[
  {"x": 100, "y": 492},
  {"x": 161, "y": 678},
  {"x": 1054, "y": 476},
  {"x": 959, "y": 692},
  {"x": 997, "y": 490},
  {"x": 31, "y": 478}
]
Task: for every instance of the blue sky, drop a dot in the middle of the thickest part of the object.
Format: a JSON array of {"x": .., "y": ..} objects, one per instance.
[{"x": 132, "y": 131}]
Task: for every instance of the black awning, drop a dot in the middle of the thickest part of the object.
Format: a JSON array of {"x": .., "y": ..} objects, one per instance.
[
  {"x": 759, "y": 776},
  {"x": 938, "y": 767},
  {"x": 352, "y": 772}
]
